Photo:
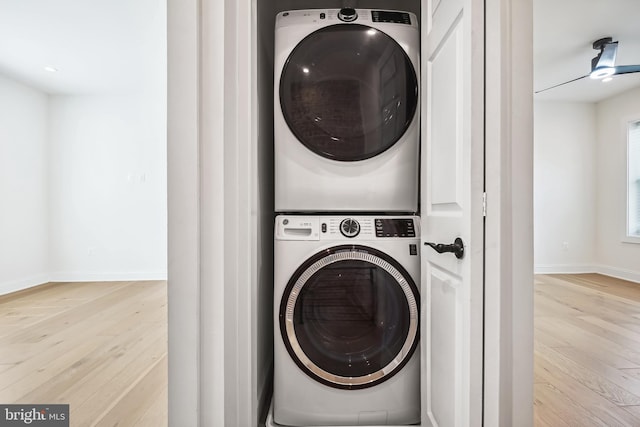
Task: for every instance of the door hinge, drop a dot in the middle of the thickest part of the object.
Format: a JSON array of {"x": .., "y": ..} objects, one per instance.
[{"x": 484, "y": 204}]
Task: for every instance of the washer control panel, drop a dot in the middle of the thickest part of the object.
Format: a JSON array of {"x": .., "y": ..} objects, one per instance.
[
  {"x": 370, "y": 227},
  {"x": 334, "y": 227},
  {"x": 395, "y": 227}
]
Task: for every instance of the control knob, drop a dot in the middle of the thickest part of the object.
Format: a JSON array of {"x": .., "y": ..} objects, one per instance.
[
  {"x": 347, "y": 14},
  {"x": 349, "y": 227}
]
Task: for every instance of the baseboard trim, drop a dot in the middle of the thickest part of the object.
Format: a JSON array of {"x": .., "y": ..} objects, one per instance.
[
  {"x": 79, "y": 276},
  {"x": 619, "y": 273},
  {"x": 564, "y": 269},
  {"x": 22, "y": 284},
  {"x": 40, "y": 279}
]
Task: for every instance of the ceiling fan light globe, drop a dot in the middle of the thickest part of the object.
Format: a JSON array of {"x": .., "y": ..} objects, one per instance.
[{"x": 601, "y": 73}]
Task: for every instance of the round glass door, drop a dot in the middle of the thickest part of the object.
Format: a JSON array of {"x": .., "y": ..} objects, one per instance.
[
  {"x": 348, "y": 92},
  {"x": 349, "y": 317}
]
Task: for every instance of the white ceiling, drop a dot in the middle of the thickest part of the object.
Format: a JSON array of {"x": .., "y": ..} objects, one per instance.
[
  {"x": 97, "y": 45},
  {"x": 564, "y": 31}
]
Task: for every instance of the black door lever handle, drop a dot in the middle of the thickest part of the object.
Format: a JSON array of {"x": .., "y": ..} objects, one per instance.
[{"x": 456, "y": 248}]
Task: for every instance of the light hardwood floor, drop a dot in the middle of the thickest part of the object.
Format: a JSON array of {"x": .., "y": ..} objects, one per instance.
[
  {"x": 100, "y": 347},
  {"x": 587, "y": 351}
]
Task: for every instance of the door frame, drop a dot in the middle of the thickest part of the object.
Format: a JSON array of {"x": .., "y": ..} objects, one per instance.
[
  {"x": 508, "y": 336},
  {"x": 211, "y": 367}
]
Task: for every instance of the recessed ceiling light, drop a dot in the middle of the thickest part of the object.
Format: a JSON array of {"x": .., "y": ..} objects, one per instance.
[
  {"x": 50, "y": 69},
  {"x": 607, "y": 79}
]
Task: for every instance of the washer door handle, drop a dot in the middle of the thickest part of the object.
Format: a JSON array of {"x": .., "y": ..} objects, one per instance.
[{"x": 457, "y": 247}]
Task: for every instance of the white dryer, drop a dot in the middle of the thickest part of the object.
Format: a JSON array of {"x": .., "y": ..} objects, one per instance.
[
  {"x": 346, "y": 320},
  {"x": 346, "y": 113}
]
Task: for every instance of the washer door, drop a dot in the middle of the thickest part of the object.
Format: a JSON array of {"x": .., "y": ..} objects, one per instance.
[
  {"x": 349, "y": 317},
  {"x": 348, "y": 92}
]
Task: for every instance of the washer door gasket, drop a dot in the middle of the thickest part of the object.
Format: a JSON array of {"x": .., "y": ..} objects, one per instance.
[{"x": 349, "y": 317}]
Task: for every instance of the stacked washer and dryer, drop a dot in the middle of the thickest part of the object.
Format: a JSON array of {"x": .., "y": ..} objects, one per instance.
[{"x": 346, "y": 249}]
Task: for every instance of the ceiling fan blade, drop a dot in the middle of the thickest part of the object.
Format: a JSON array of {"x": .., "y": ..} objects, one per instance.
[
  {"x": 627, "y": 69},
  {"x": 560, "y": 84},
  {"x": 607, "y": 57}
]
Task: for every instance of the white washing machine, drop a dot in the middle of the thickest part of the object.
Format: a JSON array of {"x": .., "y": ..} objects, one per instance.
[
  {"x": 346, "y": 113},
  {"x": 346, "y": 317}
]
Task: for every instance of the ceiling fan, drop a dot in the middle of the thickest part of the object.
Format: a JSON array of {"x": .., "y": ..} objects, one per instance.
[{"x": 604, "y": 64}]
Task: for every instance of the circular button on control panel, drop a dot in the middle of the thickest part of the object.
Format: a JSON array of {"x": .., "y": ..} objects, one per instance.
[
  {"x": 349, "y": 227},
  {"x": 347, "y": 14}
]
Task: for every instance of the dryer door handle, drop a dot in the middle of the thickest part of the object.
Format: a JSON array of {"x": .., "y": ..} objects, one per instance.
[{"x": 456, "y": 248}]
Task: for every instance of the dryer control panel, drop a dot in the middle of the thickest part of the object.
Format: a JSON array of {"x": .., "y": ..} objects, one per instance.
[
  {"x": 390, "y": 16},
  {"x": 324, "y": 17}
]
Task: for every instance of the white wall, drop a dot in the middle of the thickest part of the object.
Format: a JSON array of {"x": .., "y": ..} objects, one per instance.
[
  {"x": 107, "y": 186},
  {"x": 83, "y": 187},
  {"x": 580, "y": 187},
  {"x": 564, "y": 186},
  {"x": 83, "y": 177},
  {"x": 615, "y": 257},
  {"x": 23, "y": 186}
]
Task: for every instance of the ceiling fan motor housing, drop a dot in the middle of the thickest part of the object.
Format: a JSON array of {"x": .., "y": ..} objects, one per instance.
[{"x": 603, "y": 65}]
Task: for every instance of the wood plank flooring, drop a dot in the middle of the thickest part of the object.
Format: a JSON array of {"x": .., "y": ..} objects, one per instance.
[
  {"x": 100, "y": 347},
  {"x": 587, "y": 351}
]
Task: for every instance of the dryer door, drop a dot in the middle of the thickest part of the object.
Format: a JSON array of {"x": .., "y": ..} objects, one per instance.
[
  {"x": 349, "y": 317},
  {"x": 348, "y": 92}
]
